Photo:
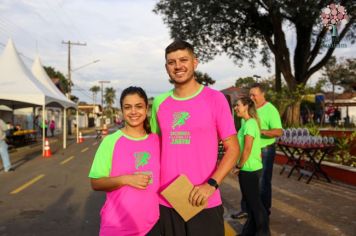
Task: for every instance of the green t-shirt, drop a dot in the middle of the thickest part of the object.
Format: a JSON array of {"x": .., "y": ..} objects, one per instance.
[
  {"x": 254, "y": 161},
  {"x": 269, "y": 119}
]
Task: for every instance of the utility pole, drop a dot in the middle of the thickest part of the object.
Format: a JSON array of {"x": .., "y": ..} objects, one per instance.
[
  {"x": 69, "y": 64},
  {"x": 69, "y": 89},
  {"x": 102, "y": 98}
]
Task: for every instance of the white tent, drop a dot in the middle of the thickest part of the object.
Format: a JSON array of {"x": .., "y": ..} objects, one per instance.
[
  {"x": 18, "y": 86},
  {"x": 41, "y": 75}
]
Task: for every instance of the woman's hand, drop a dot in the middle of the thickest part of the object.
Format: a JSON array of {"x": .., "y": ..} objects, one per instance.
[
  {"x": 139, "y": 180},
  {"x": 235, "y": 171}
]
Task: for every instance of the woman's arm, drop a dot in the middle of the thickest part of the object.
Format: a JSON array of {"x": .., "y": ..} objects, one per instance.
[
  {"x": 247, "y": 150},
  {"x": 139, "y": 181}
]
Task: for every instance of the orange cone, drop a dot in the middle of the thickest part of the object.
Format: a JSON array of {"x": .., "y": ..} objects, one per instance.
[
  {"x": 105, "y": 130},
  {"x": 81, "y": 139},
  {"x": 47, "y": 150}
]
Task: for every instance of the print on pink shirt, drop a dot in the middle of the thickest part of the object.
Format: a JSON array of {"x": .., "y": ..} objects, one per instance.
[
  {"x": 180, "y": 137},
  {"x": 141, "y": 159}
]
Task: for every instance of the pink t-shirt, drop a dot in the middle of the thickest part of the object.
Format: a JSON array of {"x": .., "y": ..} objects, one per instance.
[
  {"x": 127, "y": 210},
  {"x": 190, "y": 130}
]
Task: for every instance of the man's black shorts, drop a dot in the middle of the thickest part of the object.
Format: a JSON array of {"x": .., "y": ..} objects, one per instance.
[{"x": 209, "y": 222}]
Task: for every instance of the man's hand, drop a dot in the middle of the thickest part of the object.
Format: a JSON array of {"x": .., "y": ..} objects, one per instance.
[{"x": 200, "y": 194}]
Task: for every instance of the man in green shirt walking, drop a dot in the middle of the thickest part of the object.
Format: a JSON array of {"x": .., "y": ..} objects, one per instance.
[{"x": 271, "y": 127}]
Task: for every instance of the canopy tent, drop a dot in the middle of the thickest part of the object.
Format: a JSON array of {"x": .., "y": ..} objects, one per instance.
[
  {"x": 5, "y": 108},
  {"x": 41, "y": 75},
  {"x": 19, "y": 88}
]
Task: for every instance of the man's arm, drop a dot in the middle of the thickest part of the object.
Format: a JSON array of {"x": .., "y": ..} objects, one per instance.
[
  {"x": 228, "y": 161},
  {"x": 272, "y": 133},
  {"x": 200, "y": 194}
]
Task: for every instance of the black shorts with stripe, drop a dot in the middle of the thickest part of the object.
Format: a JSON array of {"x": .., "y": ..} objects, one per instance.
[{"x": 208, "y": 222}]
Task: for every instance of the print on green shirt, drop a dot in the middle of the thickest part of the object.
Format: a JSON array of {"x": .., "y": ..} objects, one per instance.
[
  {"x": 180, "y": 118},
  {"x": 141, "y": 159}
]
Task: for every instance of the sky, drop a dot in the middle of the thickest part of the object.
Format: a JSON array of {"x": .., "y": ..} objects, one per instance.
[{"x": 125, "y": 35}]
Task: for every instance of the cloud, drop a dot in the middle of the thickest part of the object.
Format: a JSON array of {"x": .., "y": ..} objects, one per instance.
[{"x": 126, "y": 36}]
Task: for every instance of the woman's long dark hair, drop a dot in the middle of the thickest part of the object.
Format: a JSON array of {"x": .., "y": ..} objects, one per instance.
[
  {"x": 142, "y": 94},
  {"x": 251, "y": 108}
]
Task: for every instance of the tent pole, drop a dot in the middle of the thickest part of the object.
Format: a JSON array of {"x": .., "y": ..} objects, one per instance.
[
  {"x": 43, "y": 127},
  {"x": 64, "y": 128},
  {"x": 77, "y": 125},
  {"x": 33, "y": 120}
]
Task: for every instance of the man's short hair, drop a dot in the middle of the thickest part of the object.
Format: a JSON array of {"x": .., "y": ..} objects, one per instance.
[
  {"x": 258, "y": 85},
  {"x": 179, "y": 44}
]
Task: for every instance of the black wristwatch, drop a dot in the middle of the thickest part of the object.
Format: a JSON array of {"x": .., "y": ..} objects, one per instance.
[{"x": 212, "y": 182}]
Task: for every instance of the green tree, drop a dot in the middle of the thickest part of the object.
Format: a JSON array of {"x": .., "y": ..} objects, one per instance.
[
  {"x": 74, "y": 98},
  {"x": 244, "y": 82},
  {"x": 245, "y": 28},
  {"x": 342, "y": 73},
  {"x": 110, "y": 96},
  {"x": 95, "y": 89},
  {"x": 64, "y": 85},
  {"x": 203, "y": 78}
]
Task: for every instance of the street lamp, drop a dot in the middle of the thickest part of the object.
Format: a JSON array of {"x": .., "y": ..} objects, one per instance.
[
  {"x": 257, "y": 77},
  {"x": 85, "y": 65},
  {"x": 102, "y": 82}
]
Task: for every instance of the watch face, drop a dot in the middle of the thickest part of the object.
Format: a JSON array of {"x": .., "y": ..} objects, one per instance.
[{"x": 213, "y": 183}]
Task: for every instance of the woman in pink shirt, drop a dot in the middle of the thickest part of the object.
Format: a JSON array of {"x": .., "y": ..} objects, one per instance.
[{"x": 126, "y": 166}]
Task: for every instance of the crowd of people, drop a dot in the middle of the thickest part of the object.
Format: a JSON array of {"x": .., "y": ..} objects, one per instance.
[{"x": 134, "y": 164}]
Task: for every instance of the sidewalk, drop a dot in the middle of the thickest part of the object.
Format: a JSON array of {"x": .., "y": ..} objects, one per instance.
[
  {"x": 20, "y": 155},
  {"x": 318, "y": 208}
]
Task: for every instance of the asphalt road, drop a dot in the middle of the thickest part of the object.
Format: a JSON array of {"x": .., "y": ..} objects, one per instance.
[{"x": 52, "y": 196}]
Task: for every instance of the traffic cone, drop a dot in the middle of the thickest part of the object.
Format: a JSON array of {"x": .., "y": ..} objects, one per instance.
[
  {"x": 47, "y": 150},
  {"x": 81, "y": 139},
  {"x": 105, "y": 130}
]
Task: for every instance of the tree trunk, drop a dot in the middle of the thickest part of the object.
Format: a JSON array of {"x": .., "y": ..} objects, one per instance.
[
  {"x": 278, "y": 78},
  {"x": 293, "y": 114}
]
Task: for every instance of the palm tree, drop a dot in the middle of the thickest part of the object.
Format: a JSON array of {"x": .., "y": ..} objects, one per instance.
[
  {"x": 110, "y": 96},
  {"x": 95, "y": 89}
]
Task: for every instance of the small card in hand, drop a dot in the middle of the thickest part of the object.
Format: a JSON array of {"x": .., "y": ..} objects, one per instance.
[{"x": 177, "y": 194}]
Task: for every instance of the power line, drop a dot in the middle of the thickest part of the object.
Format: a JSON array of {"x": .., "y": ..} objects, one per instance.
[
  {"x": 81, "y": 90},
  {"x": 69, "y": 43}
]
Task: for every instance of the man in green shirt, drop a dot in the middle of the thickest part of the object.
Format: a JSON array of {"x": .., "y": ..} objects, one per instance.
[{"x": 271, "y": 127}]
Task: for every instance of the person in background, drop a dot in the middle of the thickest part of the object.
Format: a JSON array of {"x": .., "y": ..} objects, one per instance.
[
  {"x": 271, "y": 128},
  {"x": 4, "y": 153},
  {"x": 43, "y": 124},
  {"x": 126, "y": 166},
  {"x": 52, "y": 127},
  {"x": 18, "y": 127},
  {"x": 249, "y": 168}
]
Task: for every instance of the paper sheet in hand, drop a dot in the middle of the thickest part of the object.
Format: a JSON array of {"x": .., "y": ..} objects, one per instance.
[{"x": 177, "y": 194}]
